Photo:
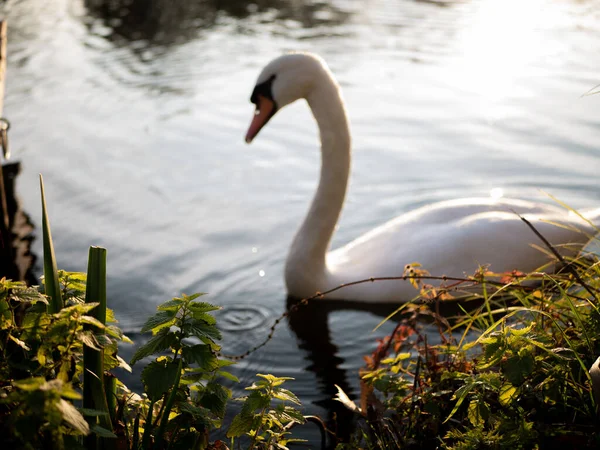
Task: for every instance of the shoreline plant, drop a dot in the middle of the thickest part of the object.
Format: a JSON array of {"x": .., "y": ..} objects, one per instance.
[{"x": 510, "y": 368}]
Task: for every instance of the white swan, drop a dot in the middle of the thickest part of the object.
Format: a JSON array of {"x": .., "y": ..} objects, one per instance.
[{"x": 451, "y": 238}]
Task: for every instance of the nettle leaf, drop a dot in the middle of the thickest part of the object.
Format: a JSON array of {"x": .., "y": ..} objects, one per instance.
[
  {"x": 202, "y": 355},
  {"x": 80, "y": 309},
  {"x": 29, "y": 295},
  {"x": 517, "y": 368},
  {"x": 521, "y": 331},
  {"x": 190, "y": 298},
  {"x": 88, "y": 339},
  {"x": 158, "y": 378},
  {"x": 286, "y": 395},
  {"x": 159, "y": 343},
  {"x": 159, "y": 321},
  {"x": 240, "y": 425},
  {"x": 34, "y": 321},
  {"x": 256, "y": 400},
  {"x": 476, "y": 413},
  {"x": 200, "y": 415},
  {"x": 289, "y": 414},
  {"x": 272, "y": 379},
  {"x": 202, "y": 330},
  {"x": 228, "y": 376},
  {"x": 110, "y": 316},
  {"x": 203, "y": 307},
  {"x": 215, "y": 399},
  {"x": 203, "y": 317},
  {"x": 172, "y": 305},
  {"x": 507, "y": 394}
]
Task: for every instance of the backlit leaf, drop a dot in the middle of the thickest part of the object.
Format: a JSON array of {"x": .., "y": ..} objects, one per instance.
[
  {"x": 159, "y": 320},
  {"x": 507, "y": 394},
  {"x": 158, "y": 378},
  {"x": 157, "y": 344}
]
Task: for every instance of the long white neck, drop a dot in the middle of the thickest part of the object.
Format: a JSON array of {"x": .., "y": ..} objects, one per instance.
[{"x": 306, "y": 264}]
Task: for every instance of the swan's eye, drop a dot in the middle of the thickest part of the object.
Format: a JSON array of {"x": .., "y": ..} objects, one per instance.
[{"x": 265, "y": 89}]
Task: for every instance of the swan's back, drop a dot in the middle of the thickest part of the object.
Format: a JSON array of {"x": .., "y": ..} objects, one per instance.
[{"x": 453, "y": 238}]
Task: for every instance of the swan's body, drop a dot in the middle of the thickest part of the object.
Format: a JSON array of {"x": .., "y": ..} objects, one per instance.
[{"x": 448, "y": 238}]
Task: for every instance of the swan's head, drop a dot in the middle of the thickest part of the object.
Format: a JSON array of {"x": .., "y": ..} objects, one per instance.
[{"x": 284, "y": 80}]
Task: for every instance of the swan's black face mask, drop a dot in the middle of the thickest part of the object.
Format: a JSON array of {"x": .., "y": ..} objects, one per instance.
[{"x": 266, "y": 107}]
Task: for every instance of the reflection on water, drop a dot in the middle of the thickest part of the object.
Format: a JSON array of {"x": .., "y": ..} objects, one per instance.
[
  {"x": 135, "y": 113},
  {"x": 168, "y": 22}
]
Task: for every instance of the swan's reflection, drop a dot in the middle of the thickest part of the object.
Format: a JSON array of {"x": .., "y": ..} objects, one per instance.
[{"x": 311, "y": 326}]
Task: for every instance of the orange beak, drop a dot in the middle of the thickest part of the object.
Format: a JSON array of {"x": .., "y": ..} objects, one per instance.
[{"x": 264, "y": 111}]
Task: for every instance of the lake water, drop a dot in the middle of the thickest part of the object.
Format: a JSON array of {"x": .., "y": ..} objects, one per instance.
[{"x": 135, "y": 113}]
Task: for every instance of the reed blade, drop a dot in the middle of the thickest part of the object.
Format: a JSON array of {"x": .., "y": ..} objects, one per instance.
[
  {"x": 52, "y": 288},
  {"x": 94, "y": 391}
]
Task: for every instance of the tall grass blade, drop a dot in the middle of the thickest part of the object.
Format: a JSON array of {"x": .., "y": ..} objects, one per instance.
[
  {"x": 94, "y": 396},
  {"x": 52, "y": 288}
]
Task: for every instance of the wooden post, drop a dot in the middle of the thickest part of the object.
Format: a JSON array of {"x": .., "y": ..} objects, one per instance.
[
  {"x": 16, "y": 260},
  {"x": 6, "y": 254}
]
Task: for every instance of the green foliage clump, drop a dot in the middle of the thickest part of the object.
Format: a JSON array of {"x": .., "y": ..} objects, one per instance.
[
  {"x": 265, "y": 426},
  {"x": 59, "y": 347},
  {"x": 184, "y": 400},
  {"x": 41, "y": 365},
  {"x": 511, "y": 373}
]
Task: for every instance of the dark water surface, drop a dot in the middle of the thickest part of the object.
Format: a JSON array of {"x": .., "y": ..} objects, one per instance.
[{"x": 135, "y": 113}]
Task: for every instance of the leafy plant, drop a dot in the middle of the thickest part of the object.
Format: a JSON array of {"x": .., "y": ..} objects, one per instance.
[
  {"x": 512, "y": 372},
  {"x": 265, "y": 426},
  {"x": 184, "y": 400}
]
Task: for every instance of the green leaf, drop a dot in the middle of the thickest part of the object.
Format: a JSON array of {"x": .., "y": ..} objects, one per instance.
[
  {"x": 159, "y": 321},
  {"x": 215, "y": 398},
  {"x": 290, "y": 414},
  {"x": 92, "y": 321},
  {"x": 52, "y": 286},
  {"x": 507, "y": 394},
  {"x": 228, "y": 376},
  {"x": 460, "y": 394},
  {"x": 399, "y": 357},
  {"x": 286, "y": 395},
  {"x": 190, "y": 298},
  {"x": 102, "y": 432},
  {"x": 201, "y": 415},
  {"x": 88, "y": 338},
  {"x": 203, "y": 317},
  {"x": 474, "y": 414},
  {"x": 172, "y": 305},
  {"x": 521, "y": 331},
  {"x": 161, "y": 342},
  {"x": 30, "y": 384},
  {"x": 273, "y": 380},
  {"x": 202, "y": 307},
  {"x": 158, "y": 378},
  {"x": 72, "y": 416},
  {"x": 202, "y": 355},
  {"x": 202, "y": 330},
  {"x": 256, "y": 400},
  {"x": 240, "y": 425},
  {"x": 517, "y": 368}
]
